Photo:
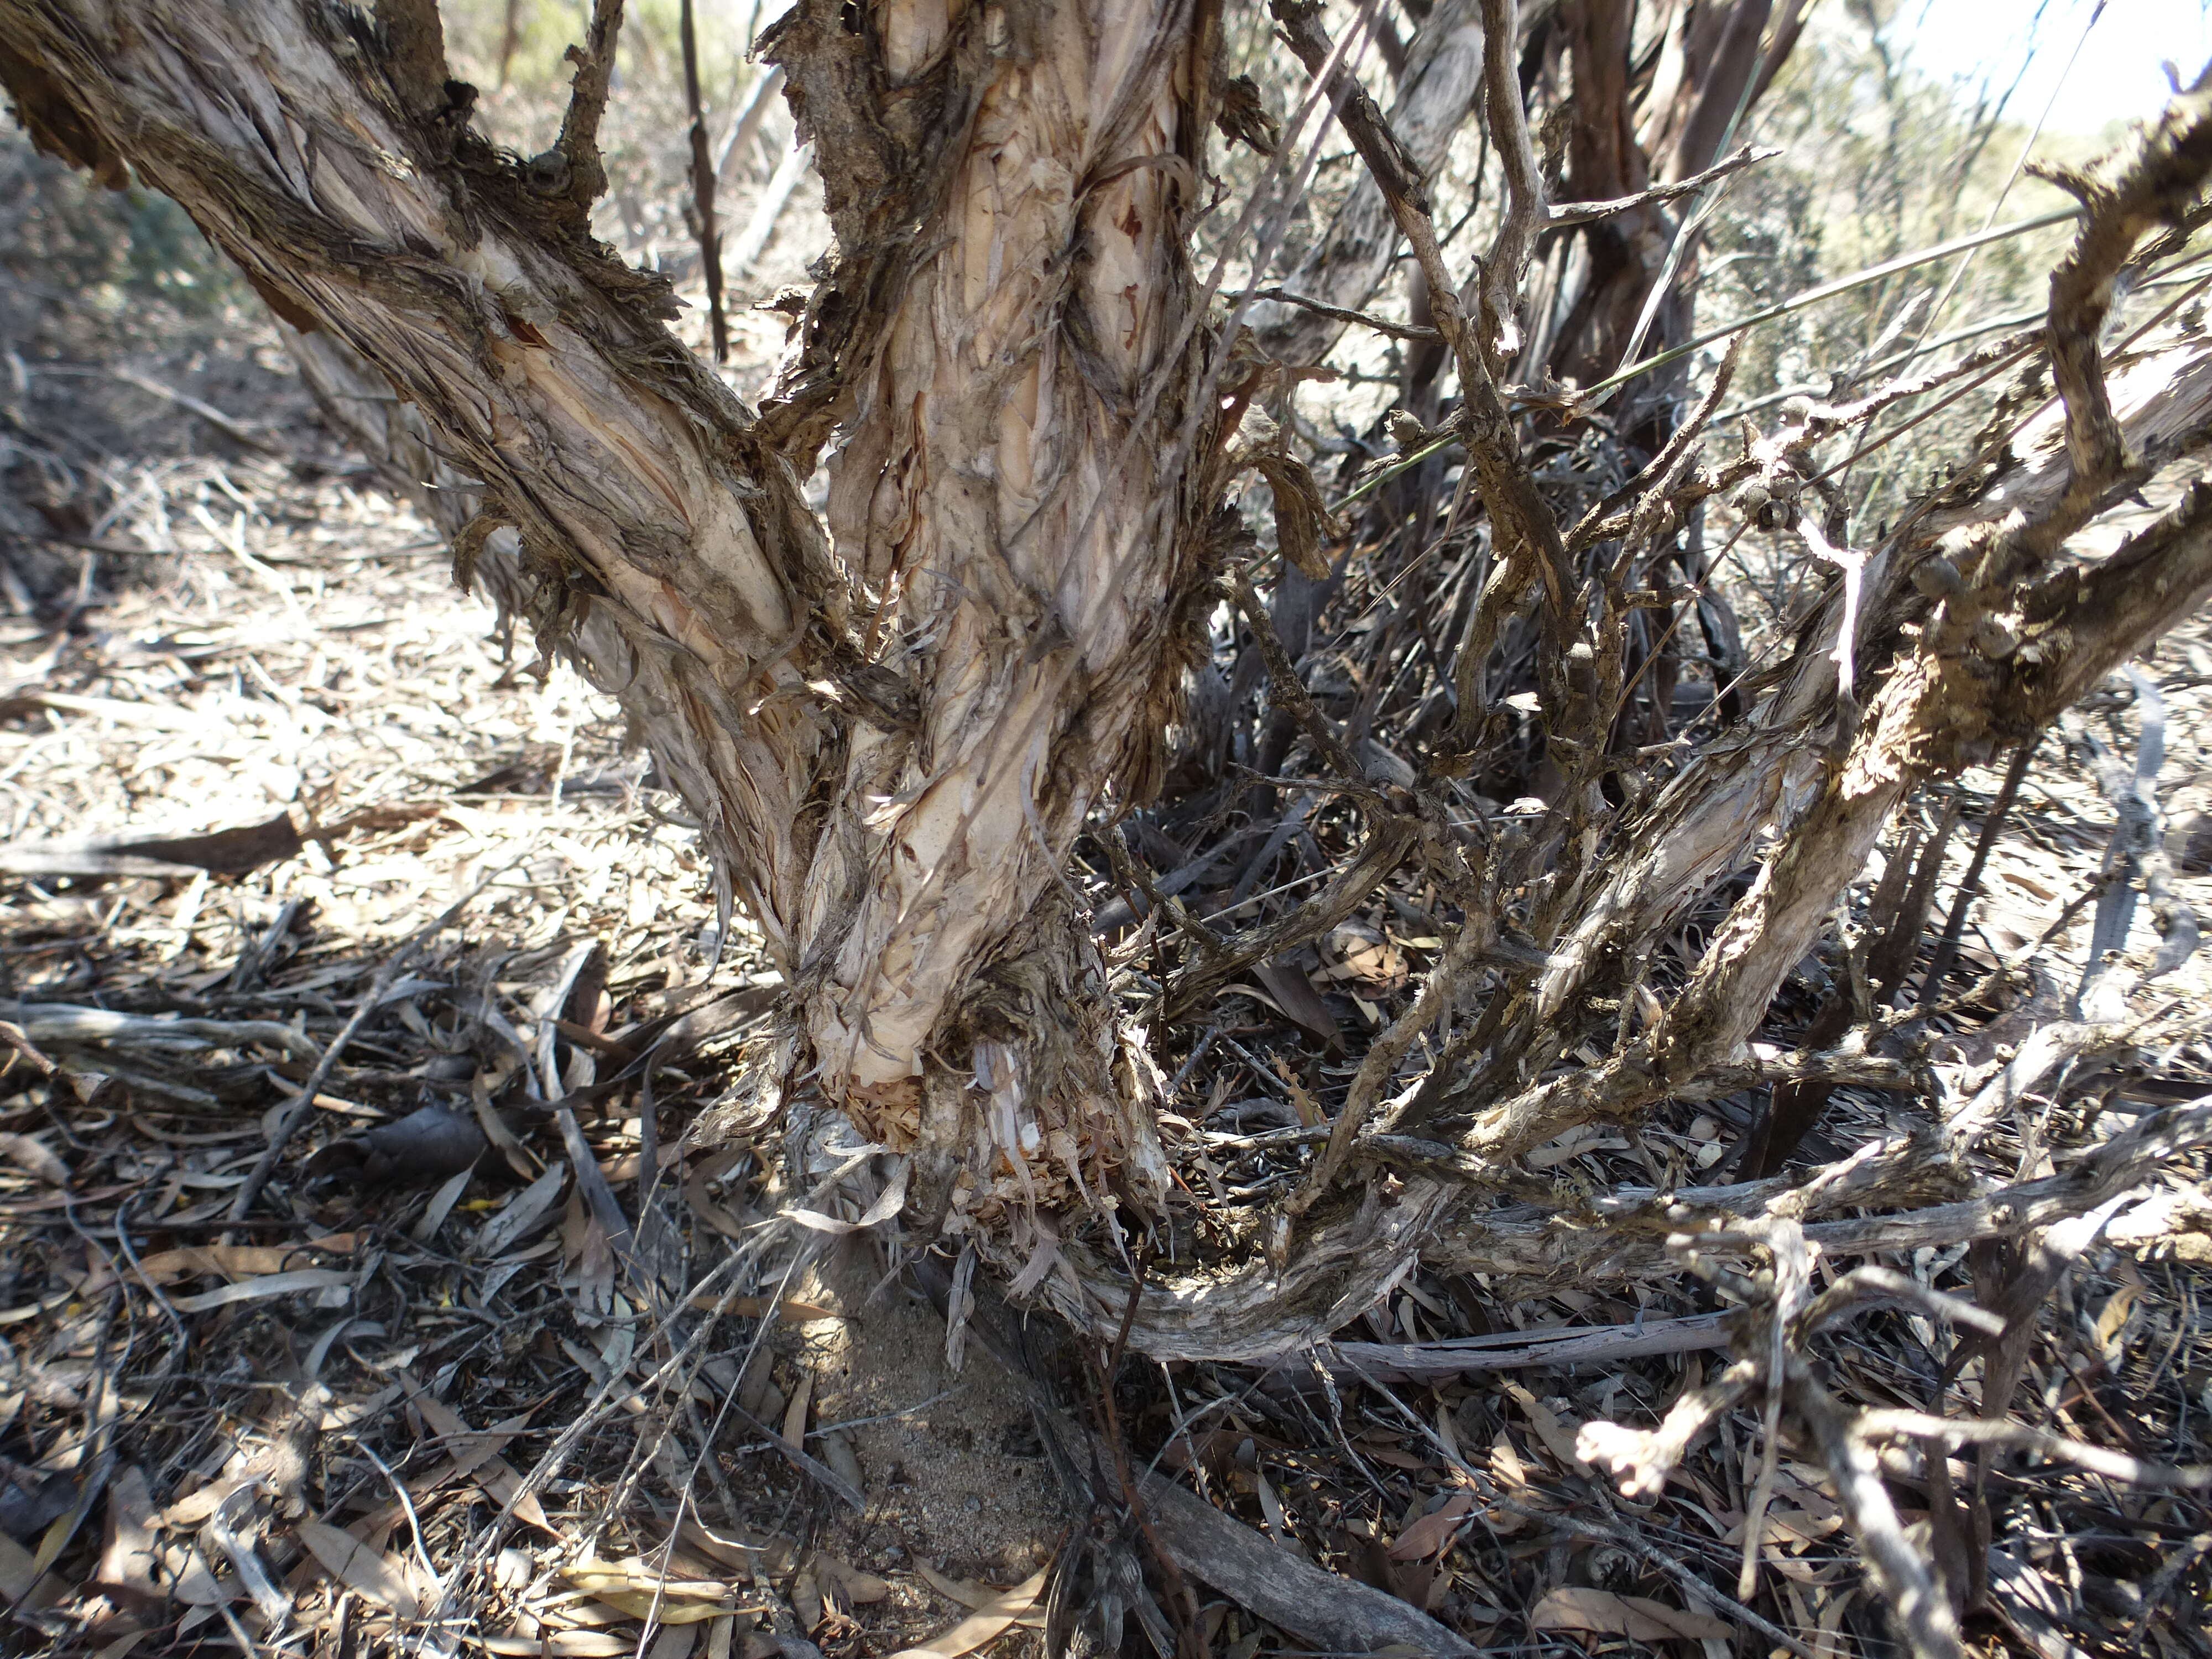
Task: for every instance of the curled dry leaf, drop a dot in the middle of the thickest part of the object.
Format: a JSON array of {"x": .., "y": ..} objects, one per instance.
[
  {"x": 634, "y": 1588},
  {"x": 1429, "y": 1534},
  {"x": 1358, "y": 953},
  {"x": 427, "y": 1145}
]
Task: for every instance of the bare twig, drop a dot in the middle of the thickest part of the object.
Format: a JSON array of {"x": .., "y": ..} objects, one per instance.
[
  {"x": 1525, "y": 213},
  {"x": 1900, "y": 1570},
  {"x": 1947, "y": 947},
  {"x": 703, "y": 188},
  {"x": 1561, "y": 214},
  {"x": 1878, "y": 1425},
  {"x": 62, "y": 1022},
  {"x": 1338, "y": 313},
  {"x": 1380, "y": 1063}
]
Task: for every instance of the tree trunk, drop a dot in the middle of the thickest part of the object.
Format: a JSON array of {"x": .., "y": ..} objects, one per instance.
[
  {"x": 892, "y": 732},
  {"x": 1625, "y": 134},
  {"x": 894, "y": 728}
]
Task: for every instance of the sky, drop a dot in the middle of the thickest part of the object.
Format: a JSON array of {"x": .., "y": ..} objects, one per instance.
[{"x": 2115, "y": 76}]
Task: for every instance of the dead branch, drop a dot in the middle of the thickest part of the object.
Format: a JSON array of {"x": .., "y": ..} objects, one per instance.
[{"x": 585, "y": 179}]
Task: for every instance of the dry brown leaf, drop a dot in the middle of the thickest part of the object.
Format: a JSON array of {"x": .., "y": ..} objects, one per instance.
[
  {"x": 794, "y": 1416},
  {"x": 1558, "y": 1439},
  {"x": 131, "y": 1555},
  {"x": 1295, "y": 995},
  {"x": 808, "y": 1604},
  {"x": 1601, "y": 1613},
  {"x": 18, "y": 1570},
  {"x": 1431, "y": 1532},
  {"x": 968, "y": 1592},
  {"x": 2114, "y": 1318},
  {"x": 672, "y": 1609},
  {"x": 588, "y": 1644},
  {"x": 35, "y": 1155},
  {"x": 1395, "y": 1458},
  {"x": 982, "y": 1626},
  {"x": 475, "y": 1454},
  {"x": 262, "y": 1286},
  {"x": 236, "y": 1260},
  {"x": 851, "y": 1581},
  {"x": 771, "y": 1556},
  {"x": 353, "y": 1564},
  {"x": 193, "y": 1508}
]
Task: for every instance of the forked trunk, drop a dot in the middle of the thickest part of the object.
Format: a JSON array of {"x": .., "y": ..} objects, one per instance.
[{"x": 895, "y": 733}]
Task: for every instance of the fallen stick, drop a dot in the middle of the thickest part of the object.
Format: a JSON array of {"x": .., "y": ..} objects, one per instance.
[
  {"x": 234, "y": 429},
  {"x": 64, "y": 1022},
  {"x": 1335, "y": 1612},
  {"x": 1423, "y": 1361}
]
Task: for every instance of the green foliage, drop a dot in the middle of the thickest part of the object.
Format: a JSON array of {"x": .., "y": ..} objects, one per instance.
[{"x": 122, "y": 249}]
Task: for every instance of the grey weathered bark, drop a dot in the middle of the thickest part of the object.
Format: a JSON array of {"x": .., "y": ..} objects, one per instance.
[
  {"x": 1439, "y": 90},
  {"x": 893, "y": 726}
]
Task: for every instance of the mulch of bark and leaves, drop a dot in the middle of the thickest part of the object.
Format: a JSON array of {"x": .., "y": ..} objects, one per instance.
[{"x": 360, "y": 1289}]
